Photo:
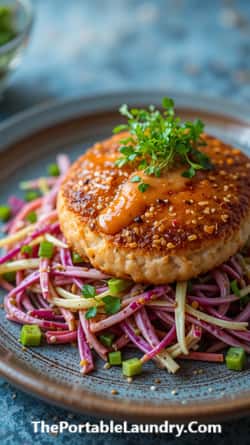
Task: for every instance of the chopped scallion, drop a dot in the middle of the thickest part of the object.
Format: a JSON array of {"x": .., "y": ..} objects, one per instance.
[
  {"x": 46, "y": 250},
  {"x": 115, "y": 358},
  {"x": 76, "y": 259},
  {"x": 53, "y": 170},
  {"x": 107, "y": 339},
  {"x": 30, "y": 195},
  {"x": 31, "y": 335},
  {"x": 236, "y": 359},
  {"x": 131, "y": 367},
  {"x": 116, "y": 286},
  {"x": 5, "y": 213},
  {"x": 32, "y": 217}
]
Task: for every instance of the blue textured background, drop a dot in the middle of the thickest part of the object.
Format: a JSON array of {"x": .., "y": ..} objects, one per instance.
[{"x": 84, "y": 47}]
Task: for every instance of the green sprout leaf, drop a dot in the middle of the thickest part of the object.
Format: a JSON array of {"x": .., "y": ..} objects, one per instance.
[
  {"x": 88, "y": 291},
  {"x": 91, "y": 312},
  {"x": 135, "y": 179},
  {"x": 112, "y": 304},
  {"x": 143, "y": 187}
]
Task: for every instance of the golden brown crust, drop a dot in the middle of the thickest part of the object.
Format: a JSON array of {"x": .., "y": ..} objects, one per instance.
[{"x": 210, "y": 214}]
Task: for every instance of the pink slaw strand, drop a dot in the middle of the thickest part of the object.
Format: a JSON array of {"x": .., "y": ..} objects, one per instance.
[
  {"x": 127, "y": 311},
  {"x": 91, "y": 338},
  {"x": 86, "y": 363}
]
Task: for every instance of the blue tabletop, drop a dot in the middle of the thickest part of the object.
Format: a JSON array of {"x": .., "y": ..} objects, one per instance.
[{"x": 86, "y": 47}]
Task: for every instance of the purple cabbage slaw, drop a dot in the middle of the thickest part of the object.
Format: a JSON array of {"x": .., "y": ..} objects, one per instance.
[{"x": 146, "y": 317}]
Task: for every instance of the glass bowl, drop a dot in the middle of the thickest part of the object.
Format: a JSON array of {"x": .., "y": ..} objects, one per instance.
[{"x": 12, "y": 51}]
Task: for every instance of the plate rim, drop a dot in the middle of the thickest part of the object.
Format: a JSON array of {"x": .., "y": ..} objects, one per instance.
[
  {"x": 64, "y": 109},
  {"x": 44, "y": 116}
]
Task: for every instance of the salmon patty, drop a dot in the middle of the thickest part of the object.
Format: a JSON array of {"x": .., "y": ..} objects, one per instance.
[{"x": 175, "y": 230}]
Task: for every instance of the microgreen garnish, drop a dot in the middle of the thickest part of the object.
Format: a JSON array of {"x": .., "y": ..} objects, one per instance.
[
  {"x": 135, "y": 179},
  {"x": 88, "y": 291},
  {"x": 143, "y": 187},
  {"x": 158, "y": 140},
  {"x": 91, "y": 312},
  {"x": 111, "y": 304}
]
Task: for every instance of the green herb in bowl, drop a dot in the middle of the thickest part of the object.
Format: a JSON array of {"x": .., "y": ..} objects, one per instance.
[{"x": 7, "y": 24}]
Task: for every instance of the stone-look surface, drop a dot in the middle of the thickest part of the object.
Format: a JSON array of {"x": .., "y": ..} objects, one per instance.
[{"x": 93, "y": 47}]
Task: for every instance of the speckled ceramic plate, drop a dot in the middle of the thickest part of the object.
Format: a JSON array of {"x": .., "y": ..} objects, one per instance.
[{"x": 27, "y": 143}]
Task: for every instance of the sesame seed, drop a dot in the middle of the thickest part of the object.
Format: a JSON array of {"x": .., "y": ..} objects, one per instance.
[
  {"x": 153, "y": 388},
  {"x": 224, "y": 218},
  {"x": 192, "y": 237},
  {"x": 174, "y": 392},
  {"x": 208, "y": 229},
  {"x": 114, "y": 392},
  {"x": 129, "y": 380},
  {"x": 170, "y": 246},
  {"x": 106, "y": 366},
  {"x": 203, "y": 203},
  {"x": 132, "y": 245}
]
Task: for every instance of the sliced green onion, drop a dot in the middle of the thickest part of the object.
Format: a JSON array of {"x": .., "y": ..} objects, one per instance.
[
  {"x": 31, "y": 195},
  {"x": 131, "y": 367},
  {"x": 236, "y": 359},
  {"x": 53, "y": 170},
  {"x": 76, "y": 259},
  {"x": 107, "y": 339},
  {"x": 116, "y": 286},
  {"x": 46, "y": 250},
  {"x": 26, "y": 249},
  {"x": 115, "y": 358},
  {"x": 32, "y": 217},
  {"x": 10, "y": 277},
  {"x": 5, "y": 213},
  {"x": 31, "y": 335}
]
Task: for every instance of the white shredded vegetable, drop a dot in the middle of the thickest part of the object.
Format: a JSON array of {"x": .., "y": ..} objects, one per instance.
[
  {"x": 235, "y": 325},
  {"x": 180, "y": 298},
  {"x": 76, "y": 304},
  {"x": 17, "y": 236},
  {"x": 14, "y": 266},
  {"x": 52, "y": 239}
]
